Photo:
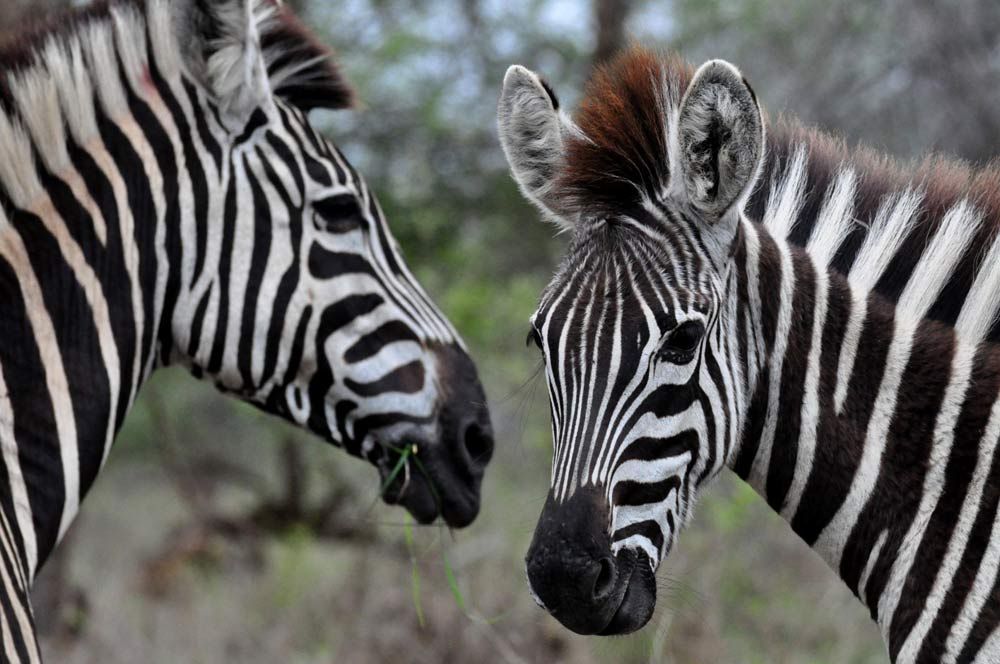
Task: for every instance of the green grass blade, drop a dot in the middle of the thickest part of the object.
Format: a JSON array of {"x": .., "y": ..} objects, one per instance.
[
  {"x": 449, "y": 574},
  {"x": 404, "y": 454},
  {"x": 415, "y": 572}
]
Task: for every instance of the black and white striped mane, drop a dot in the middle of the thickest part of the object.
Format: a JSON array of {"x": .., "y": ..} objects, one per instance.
[
  {"x": 301, "y": 70},
  {"x": 942, "y": 182}
]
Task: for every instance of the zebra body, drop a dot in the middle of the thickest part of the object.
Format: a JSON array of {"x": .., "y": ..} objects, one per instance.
[
  {"x": 830, "y": 336},
  {"x": 164, "y": 200}
]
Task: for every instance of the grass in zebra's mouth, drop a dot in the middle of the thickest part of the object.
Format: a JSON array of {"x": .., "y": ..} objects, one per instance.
[{"x": 407, "y": 481}]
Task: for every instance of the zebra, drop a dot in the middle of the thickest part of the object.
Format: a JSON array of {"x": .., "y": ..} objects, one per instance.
[
  {"x": 819, "y": 320},
  {"x": 164, "y": 200}
]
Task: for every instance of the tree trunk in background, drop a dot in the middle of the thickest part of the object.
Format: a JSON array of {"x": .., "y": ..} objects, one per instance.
[{"x": 610, "y": 17}]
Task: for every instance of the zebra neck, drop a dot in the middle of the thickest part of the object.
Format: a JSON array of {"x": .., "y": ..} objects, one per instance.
[
  {"x": 90, "y": 277},
  {"x": 872, "y": 434}
]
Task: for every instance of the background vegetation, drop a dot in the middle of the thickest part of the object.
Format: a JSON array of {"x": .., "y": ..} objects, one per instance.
[{"x": 217, "y": 534}]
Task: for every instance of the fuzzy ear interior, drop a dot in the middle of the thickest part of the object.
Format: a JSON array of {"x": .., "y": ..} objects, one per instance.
[
  {"x": 533, "y": 132},
  {"x": 721, "y": 139},
  {"x": 249, "y": 52}
]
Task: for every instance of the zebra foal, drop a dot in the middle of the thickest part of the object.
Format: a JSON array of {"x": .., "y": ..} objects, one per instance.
[
  {"x": 164, "y": 200},
  {"x": 829, "y": 335}
]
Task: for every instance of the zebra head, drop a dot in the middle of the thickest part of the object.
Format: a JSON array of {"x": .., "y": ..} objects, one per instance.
[
  {"x": 650, "y": 180},
  {"x": 312, "y": 313}
]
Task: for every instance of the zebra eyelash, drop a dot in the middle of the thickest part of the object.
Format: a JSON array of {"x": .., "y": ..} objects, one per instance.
[{"x": 681, "y": 343}]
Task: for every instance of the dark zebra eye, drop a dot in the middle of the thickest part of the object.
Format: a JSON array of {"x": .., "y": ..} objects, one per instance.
[
  {"x": 682, "y": 342},
  {"x": 533, "y": 338},
  {"x": 338, "y": 214}
]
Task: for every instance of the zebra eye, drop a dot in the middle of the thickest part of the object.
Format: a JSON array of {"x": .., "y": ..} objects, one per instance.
[
  {"x": 682, "y": 343},
  {"x": 533, "y": 338},
  {"x": 338, "y": 214}
]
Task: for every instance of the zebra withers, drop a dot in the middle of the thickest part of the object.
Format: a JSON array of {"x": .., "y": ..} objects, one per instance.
[
  {"x": 830, "y": 336},
  {"x": 164, "y": 200}
]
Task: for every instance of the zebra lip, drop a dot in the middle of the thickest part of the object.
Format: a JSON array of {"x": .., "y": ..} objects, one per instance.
[{"x": 637, "y": 601}]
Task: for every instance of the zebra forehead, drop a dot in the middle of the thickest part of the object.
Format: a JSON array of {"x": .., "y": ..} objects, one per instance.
[{"x": 621, "y": 156}]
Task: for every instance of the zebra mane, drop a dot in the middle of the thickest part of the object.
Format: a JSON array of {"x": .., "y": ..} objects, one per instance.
[
  {"x": 923, "y": 225},
  {"x": 926, "y": 227},
  {"x": 621, "y": 156},
  {"x": 301, "y": 70}
]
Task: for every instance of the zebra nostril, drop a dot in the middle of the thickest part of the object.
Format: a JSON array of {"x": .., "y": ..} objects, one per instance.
[
  {"x": 478, "y": 443},
  {"x": 604, "y": 583}
]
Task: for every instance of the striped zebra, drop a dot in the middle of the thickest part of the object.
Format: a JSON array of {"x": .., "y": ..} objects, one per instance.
[
  {"x": 829, "y": 336},
  {"x": 164, "y": 200}
]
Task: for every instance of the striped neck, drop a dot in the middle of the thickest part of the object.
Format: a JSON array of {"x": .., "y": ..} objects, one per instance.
[
  {"x": 100, "y": 248},
  {"x": 872, "y": 432}
]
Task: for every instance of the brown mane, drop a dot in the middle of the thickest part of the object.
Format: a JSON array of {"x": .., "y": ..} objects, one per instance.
[{"x": 622, "y": 117}]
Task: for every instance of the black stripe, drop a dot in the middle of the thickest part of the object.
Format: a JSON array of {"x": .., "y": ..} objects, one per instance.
[
  {"x": 370, "y": 344},
  {"x": 407, "y": 379},
  {"x": 641, "y": 493},
  {"x": 326, "y": 264},
  {"x": 195, "y": 171},
  {"x": 204, "y": 133},
  {"x": 74, "y": 324},
  {"x": 298, "y": 346},
  {"x": 109, "y": 266},
  {"x": 784, "y": 450},
  {"x": 648, "y": 529},
  {"x": 263, "y": 228},
  {"x": 650, "y": 449},
  {"x": 225, "y": 261},
  {"x": 32, "y": 412},
  {"x": 290, "y": 279},
  {"x": 143, "y": 212},
  {"x": 197, "y": 323}
]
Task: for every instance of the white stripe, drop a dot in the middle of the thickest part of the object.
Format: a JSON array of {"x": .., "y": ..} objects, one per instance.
[
  {"x": 870, "y": 564},
  {"x": 785, "y": 200},
  {"x": 835, "y": 221},
  {"x": 18, "y": 491},
  {"x": 990, "y": 652}
]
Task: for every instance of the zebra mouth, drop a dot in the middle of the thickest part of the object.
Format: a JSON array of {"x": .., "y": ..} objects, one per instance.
[
  {"x": 405, "y": 480},
  {"x": 420, "y": 477},
  {"x": 638, "y": 598}
]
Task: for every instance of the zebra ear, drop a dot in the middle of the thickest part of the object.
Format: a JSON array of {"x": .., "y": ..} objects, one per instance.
[
  {"x": 721, "y": 139},
  {"x": 224, "y": 51},
  {"x": 533, "y": 132}
]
